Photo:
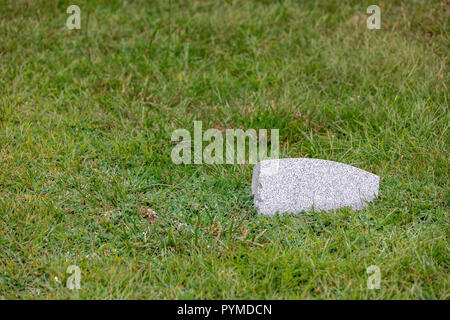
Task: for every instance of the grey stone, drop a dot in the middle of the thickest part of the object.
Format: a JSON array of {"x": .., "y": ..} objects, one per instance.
[{"x": 299, "y": 184}]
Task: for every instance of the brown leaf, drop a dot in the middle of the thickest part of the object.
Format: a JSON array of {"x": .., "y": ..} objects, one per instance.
[{"x": 150, "y": 214}]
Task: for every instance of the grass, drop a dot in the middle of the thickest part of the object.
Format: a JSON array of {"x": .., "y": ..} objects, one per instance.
[{"x": 85, "y": 123}]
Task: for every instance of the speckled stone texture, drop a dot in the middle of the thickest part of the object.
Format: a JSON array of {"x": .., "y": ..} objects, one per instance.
[{"x": 297, "y": 184}]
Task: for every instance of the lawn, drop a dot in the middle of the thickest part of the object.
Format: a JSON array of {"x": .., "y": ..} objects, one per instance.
[{"x": 86, "y": 118}]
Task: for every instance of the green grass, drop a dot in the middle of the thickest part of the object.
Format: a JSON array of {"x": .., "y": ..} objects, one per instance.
[{"x": 85, "y": 123}]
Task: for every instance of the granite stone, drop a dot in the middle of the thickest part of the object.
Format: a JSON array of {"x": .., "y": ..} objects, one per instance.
[{"x": 294, "y": 185}]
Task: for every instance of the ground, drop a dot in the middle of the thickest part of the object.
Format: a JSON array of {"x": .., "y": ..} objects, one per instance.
[{"x": 86, "y": 118}]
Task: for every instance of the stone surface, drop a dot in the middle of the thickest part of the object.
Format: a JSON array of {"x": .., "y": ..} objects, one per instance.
[{"x": 297, "y": 184}]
